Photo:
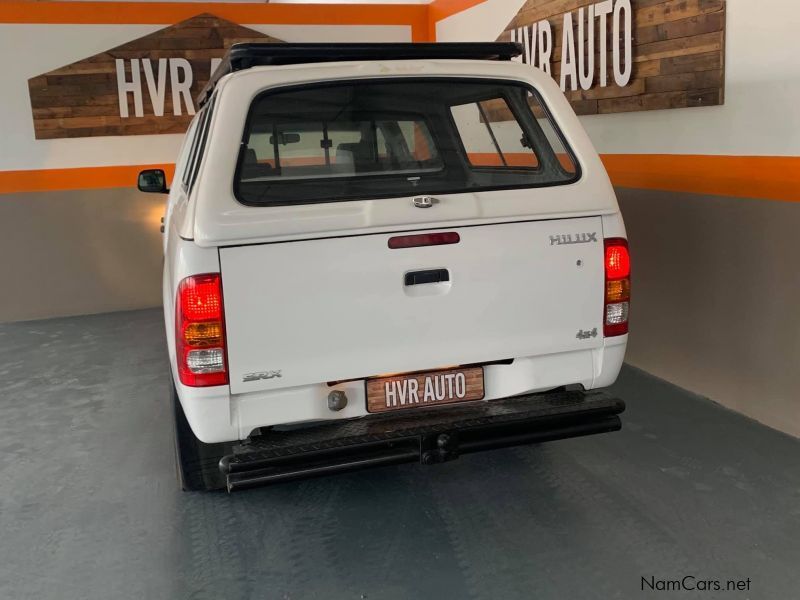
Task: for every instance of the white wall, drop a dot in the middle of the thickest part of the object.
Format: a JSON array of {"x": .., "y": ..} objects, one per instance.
[
  {"x": 60, "y": 45},
  {"x": 761, "y": 114}
]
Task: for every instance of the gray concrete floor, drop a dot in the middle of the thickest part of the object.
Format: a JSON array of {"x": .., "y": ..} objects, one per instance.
[{"x": 89, "y": 506}]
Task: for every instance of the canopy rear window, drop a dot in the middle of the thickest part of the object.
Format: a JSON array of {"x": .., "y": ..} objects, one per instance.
[{"x": 388, "y": 138}]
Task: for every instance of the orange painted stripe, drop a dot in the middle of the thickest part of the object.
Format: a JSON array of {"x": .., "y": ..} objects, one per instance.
[
  {"x": 84, "y": 178},
  {"x": 492, "y": 159},
  {"x": 766, "y": 177},
  {"x": 167, "y": 13}
]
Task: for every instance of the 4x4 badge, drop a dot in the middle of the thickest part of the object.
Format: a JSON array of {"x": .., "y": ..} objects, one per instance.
[{"x": 585, "y": 335}]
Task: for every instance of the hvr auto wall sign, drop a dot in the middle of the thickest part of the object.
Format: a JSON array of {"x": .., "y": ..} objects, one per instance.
[{"x": 146, "y": 86}]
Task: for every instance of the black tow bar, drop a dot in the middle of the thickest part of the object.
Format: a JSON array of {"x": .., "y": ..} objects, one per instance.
[{"x": 427, "y": 435}]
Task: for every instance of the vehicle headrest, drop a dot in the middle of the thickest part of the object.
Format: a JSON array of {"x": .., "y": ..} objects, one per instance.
[{"x": 345, "y": 156}]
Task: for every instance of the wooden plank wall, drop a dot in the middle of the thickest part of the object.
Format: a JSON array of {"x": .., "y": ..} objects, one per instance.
[
  {"x": 81, "y": 99},
  {"x": 678, "y": 54}
]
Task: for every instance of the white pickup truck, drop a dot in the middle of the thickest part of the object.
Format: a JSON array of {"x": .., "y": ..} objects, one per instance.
[{"x": 378, "y": 253}]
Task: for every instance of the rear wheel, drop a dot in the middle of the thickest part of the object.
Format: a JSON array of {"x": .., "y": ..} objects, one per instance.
[{"x": 197, "y": 462}]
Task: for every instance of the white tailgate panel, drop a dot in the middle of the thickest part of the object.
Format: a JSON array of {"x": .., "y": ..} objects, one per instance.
[{"x": 338, "y": 308}]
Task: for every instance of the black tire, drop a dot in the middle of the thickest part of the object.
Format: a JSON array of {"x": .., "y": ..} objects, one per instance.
[{"x": 197, "y": 462}]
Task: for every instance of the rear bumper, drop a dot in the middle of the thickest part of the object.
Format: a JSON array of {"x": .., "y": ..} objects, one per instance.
[
  {"x": 217, "y": 416},
  {"x": 429, "y": 435}
]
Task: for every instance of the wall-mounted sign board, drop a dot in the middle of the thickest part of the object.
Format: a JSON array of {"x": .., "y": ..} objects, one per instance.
[
  {"x": 627, "y": 55},
  {"x": 145, "y": 86}
]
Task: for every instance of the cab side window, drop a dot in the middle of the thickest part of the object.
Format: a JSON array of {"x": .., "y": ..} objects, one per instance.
[
  {"x": 183, "y": 157},
  {"x": 198, "y": 145}
]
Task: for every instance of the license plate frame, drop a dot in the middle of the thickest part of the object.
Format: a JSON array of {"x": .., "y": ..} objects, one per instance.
[{"x": 393, "y": 393}]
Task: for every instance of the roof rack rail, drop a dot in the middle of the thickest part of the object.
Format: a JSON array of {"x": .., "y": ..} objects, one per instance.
[{"x": 244, "y": 56}]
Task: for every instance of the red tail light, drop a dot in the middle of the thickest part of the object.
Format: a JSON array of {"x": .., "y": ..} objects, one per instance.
[
  {"x": 618, "y": 287},
  {"x": 200, "y": 331}
]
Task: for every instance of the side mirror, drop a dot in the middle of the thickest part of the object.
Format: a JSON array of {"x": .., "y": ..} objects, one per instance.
[{"x": 153, "y": 181}]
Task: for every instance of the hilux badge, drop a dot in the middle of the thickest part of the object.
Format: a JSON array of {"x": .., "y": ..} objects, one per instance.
[{"x": 569, "y": 238}]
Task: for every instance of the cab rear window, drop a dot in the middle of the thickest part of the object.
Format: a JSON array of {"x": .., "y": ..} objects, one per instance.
[{"x": 388, "y": 138}]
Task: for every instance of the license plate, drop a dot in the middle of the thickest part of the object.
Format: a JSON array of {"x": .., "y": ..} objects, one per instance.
[{"x": 415, "y": 390}]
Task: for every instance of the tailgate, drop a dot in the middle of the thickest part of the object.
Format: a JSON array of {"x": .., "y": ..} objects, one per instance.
[{"x": 346, "y": 308}]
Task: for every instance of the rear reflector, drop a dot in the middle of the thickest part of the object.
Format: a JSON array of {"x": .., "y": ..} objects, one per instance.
[
  {"x": 200, "y": 331},
  {"x": 618, "y": 287},
  {"x": 424, "y": 239}
]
